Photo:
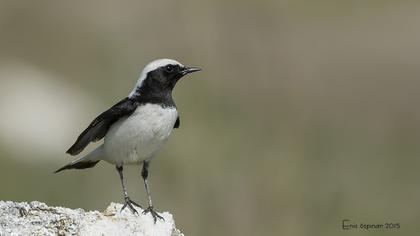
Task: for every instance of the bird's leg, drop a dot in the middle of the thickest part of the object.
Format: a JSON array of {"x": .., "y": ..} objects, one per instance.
[
  {"x": 144, "y": 174},
  {"x": 127, "y": 200}
]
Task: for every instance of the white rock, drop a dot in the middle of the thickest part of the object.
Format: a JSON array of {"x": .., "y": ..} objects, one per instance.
[{"x": 36, "y": 218}]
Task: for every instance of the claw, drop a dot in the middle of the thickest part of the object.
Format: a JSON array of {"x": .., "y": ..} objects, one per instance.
[
  {"x": 130, "y": 203},
  {"x": 154, "y": 214}
]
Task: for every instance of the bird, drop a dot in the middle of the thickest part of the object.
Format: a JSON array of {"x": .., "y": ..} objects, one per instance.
[{"x": 135, "y": 128}]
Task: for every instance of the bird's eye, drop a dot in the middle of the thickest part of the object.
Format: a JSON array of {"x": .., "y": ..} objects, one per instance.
[{"x": 169, "y": 69}]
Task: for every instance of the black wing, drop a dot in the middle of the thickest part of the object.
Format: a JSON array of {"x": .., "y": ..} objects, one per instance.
[
  {"x": 100, "y": 125},
  {"x": 177, "y": 123}
]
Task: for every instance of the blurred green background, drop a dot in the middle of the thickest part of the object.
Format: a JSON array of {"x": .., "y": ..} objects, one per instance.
[{"x": 306, "y": 112}]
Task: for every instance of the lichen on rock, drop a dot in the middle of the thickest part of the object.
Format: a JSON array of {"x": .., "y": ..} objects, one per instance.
[{"x": 36, "y": 218}]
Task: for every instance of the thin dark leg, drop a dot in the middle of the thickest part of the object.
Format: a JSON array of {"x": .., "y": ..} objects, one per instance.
[
  {"x": 127, "y": 200},
  {"x": 145, "y": 174}
]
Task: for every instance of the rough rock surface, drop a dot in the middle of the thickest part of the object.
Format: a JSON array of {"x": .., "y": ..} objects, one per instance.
[{"x": 36, "y": 218}]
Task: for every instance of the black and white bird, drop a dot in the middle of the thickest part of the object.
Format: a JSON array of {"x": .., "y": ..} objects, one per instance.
[{"x": 135, "y": 128}]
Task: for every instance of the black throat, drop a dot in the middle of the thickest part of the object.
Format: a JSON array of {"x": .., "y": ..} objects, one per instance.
[{"x": 148, "y": 93}]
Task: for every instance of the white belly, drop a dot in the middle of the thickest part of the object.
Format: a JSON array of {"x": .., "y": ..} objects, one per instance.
[{"x": 139, "y": 136}]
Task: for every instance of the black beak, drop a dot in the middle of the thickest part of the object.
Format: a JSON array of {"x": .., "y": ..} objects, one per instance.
[{"x": 188, "y": 70}]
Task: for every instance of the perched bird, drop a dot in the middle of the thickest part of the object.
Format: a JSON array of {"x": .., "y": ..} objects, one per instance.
[{"x": 135, "y": 128}]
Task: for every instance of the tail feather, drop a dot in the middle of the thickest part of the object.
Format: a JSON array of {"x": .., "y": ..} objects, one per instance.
[
  {"x": 78, "y": 165},
  {"x": 88, "y": 161}
]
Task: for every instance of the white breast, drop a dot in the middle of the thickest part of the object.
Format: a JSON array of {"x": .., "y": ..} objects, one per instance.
[{"x": 139, "y": 136}]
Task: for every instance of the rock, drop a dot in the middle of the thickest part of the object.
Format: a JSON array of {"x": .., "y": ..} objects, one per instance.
[{"x": 36, "y": 218}]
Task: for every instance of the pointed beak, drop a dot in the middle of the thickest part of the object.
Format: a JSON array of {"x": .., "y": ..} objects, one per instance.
[{"x": 188, "y": 70}]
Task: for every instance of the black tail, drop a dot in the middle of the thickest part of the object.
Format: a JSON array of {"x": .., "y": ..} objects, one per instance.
[{"x": 78, "y": 165}]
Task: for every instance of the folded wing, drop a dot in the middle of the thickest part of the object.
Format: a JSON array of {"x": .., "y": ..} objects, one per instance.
[{"x": 101, "y": 124}]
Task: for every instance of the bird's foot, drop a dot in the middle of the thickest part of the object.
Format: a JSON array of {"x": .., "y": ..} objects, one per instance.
[
  {"x": 154, "y": 214},
  {"x": 130, "y": 203}
]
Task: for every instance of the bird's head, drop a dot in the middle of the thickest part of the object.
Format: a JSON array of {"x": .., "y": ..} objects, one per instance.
[{"x": 161, "y": 76}]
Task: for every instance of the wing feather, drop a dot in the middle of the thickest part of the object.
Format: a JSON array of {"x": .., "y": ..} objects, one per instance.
[
  {"x": 177, "y": 123},
  {"x": 98, "y": 128}
]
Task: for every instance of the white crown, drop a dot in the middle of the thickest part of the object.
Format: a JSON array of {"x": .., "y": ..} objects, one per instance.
[{"x": 151, "y": 67}]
